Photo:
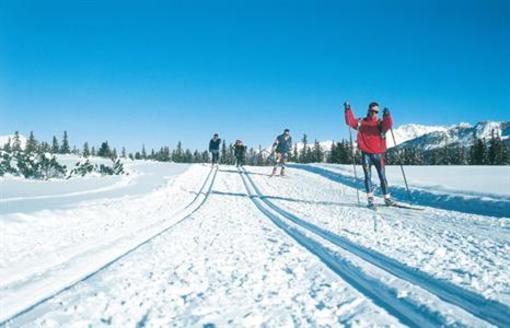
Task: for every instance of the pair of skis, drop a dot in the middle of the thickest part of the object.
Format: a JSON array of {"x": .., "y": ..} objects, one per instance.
[{"x": 398, "y": 205}]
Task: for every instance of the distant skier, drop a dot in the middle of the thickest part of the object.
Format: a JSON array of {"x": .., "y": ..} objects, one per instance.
[
  {"x": 239, "y": 152},
  {"x": 214, "y": 148},
  {"x": 372, "y": 143},
  {"x": 282, "y": 146}
]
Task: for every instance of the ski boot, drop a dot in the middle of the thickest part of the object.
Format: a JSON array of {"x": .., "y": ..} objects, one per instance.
[
  {"x": 282, "y": 172},
  {"x": 371, "y": 203},
  {"x": 388, "y": 201},
  {"x": 274, "y": 171}
]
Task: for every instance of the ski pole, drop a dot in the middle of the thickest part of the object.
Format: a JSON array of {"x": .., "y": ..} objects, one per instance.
[
  {"x": 402, "y": 169},
  {"x": 354, "y": 165}
]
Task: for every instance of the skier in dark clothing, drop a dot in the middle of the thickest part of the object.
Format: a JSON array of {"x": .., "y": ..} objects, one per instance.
[
  {"x": 372, "y": 144},
  {"x": 214, "y": 148},
  {"x": 239, "y": 153},
  {"x": 282, "y": 147}
]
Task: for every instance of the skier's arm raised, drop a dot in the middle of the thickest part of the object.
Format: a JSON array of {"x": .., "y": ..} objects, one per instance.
[
  {"x": 350, "y": 120},
  {"x": 387, "y": 121}
]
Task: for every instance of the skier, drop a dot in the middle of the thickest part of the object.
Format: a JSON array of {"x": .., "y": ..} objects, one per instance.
[
  {"x": 372, "y": 143},
  {"x": 239, "y": 152},
  {"x": 282, "y": 146},
  {"x": 214, "y": 148}
]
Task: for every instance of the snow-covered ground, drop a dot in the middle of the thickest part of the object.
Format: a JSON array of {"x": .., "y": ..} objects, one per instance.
[
  {"x": 174, "y": 245},
  {"x": 473, "y": 189}
]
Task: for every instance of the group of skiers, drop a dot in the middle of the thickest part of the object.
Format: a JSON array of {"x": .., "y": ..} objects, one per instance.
[
  {"x": 371, "y": 143},
  {"x": 239, "y": 150}
]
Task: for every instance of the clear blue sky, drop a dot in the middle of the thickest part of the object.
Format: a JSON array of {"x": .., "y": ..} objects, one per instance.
[{"x": 156, "y": 72}]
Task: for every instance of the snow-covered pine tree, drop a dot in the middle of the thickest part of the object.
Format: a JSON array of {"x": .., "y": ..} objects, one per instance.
[
  {"x": 65, "y": 148},
  {"x": 123, "y": 152},
  {"x": 7, "y": 147},
  {"x": 86, "y": 150},
  {"x": 16, "y": 142},
  {"x": 54, "y": 146},
  {"x": 93, "y": 151},
  {"x": 31, "y": 143}
]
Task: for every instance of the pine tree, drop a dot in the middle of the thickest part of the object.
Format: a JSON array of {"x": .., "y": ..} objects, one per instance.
[
  {"x": 65, "y": 149},
  {"x": 114, "y": 153},
  {"x": 317, "y": 154},
  {"x": 44, "y": 147},
  {"x": 104, "y": 150},
  {"x": 93, "y": 151},
  {"x": 496, "y": 150},
  {"x": 295, "y": 154},
  {"x": 54, "y": 146},
  {"x": 223, "y": 159},
  {"x": 86, "y": 151},
  {"x": 144, "y": 152},
  {"x": 123, "y": 152},
  {"x": 31, "y": 143},
  {"x": 188, "y": 156},
  {"x": 478, "y": 152},
  {"x": 7, "y": 146},
  {"x": 16, "y": 142}
]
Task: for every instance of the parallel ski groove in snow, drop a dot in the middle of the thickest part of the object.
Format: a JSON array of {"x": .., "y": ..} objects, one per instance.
[
  {"x": 407, "y": 312},
  {"x": 7, "y": 316},
  {"x": 492, "y": 311}
]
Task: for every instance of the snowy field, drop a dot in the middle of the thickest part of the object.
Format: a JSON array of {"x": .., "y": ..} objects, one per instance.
[{"x": 184, "y": 245}]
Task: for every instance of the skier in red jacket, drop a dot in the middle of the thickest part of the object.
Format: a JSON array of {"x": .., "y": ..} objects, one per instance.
[{"x": 372, "y": 144}]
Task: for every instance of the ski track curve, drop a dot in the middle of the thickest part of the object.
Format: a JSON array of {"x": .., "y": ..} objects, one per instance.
[
  {"x": 8, "y": 315},
  {"x": 408, "y": 313},
  {"x": 489, "y": 310}
]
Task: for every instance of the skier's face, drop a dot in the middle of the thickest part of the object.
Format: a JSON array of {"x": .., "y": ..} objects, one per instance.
[{"x": 373, "y": 111}]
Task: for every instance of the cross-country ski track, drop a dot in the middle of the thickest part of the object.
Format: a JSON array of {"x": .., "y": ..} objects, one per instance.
[
  {"x": 250, "y": 250},
  {"x": 43, "y": 290}
]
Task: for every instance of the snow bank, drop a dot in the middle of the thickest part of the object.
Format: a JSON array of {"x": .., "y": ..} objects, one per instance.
[{"x": 470, "y": 189}]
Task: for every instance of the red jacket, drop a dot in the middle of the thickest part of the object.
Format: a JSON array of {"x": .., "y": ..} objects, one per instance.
[{"x": 371, "y": 132}]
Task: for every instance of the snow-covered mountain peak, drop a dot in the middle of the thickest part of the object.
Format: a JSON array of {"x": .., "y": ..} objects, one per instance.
[
  {"x": 462, "y": 134},
  {"x": 411, "y": 131}
]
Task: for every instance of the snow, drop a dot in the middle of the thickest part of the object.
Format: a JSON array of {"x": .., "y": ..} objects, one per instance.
[
  {"x": 5, "y": 139},
  {"x": 411, "y": 131},
  {"x": 183, "y": 245},
  {"x": 444, "y": 187},
  {"x": 458, "y": 134}
]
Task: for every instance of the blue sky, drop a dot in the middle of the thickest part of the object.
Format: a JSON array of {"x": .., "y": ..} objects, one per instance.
[{"x": 156, "y": 72}]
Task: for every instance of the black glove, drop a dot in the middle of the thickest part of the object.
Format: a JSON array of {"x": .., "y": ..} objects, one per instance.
[
  {"x": 347, "y": 105},
  {"x": 386, "y": 111}
]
